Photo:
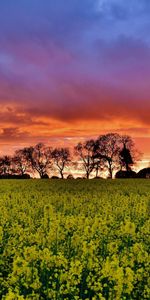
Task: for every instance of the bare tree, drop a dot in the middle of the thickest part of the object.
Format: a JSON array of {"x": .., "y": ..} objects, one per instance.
[
  {"x": 98, "y": 160},
  {"x": 108, "y": 152},
  {"x": 5, "y": 165},
  {"x": 61, "y": 159},
  {"x": 107, "y": 148},
  {"x": 38, "y": 158},
  {"x": 98, "y": 166},
  {"x": 85, "y": 151},
  {"x": 20, "y": 163}
]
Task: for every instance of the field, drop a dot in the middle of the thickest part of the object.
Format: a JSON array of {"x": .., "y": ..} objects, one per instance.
[{"x": 74, "y": 239}]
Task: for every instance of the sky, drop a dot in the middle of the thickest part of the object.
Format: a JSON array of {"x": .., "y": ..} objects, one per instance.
[{"x": 70, "y": 70}]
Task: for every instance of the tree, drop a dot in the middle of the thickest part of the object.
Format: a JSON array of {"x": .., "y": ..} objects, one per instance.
[
  {"x": 70, "y": 176},
  {"x": 98, "y": 159},
  {"x": 144, "y": 173},
  {"x": 126, "y": 158},
  {"x": 20, "y": 162},
  {"x": 61, "y": 159},
  {"x": 128, "y": 154},
  {"x": 126, "y": 174},
  {"x": 38, "y": 158},
  {"x": 85, "y": 151},
  {"x": 107, "y": 149},
  {"x": 5, "y": 165}
]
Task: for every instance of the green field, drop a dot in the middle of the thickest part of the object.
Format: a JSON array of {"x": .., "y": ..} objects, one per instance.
[{"x": 74, "y": 239}]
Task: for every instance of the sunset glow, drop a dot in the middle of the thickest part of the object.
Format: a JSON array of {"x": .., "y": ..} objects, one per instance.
[{"x": 70, "y": 70}]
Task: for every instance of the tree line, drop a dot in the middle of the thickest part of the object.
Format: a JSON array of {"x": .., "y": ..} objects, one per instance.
[{"x": 108, "y": 153}]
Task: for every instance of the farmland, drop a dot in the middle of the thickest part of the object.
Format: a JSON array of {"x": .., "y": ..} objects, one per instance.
[{"x": 74, "y": 239}]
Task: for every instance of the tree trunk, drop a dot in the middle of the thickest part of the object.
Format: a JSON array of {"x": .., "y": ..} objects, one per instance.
[
  {"x": 127, "y": 167},
  {"x": 87, "y": 175},
  {"x": 110, "y": 171},
  {"x": 97, "y": 172},
  {"x": 62, "y": 175}
]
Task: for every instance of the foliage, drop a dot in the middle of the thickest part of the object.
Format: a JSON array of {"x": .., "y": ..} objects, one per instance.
[
  {"x": 127, "y": 153},
  {"x": 74, "y": 239}
]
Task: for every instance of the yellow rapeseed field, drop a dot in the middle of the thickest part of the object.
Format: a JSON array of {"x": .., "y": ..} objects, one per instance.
[{"x": 74, "y": 239}]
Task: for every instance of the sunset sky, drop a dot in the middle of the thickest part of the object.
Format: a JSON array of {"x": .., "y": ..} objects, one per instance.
[{"x": 74, "y": 69}]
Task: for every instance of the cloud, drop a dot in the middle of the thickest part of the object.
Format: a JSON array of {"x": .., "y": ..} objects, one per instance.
[
  {"x": 69, "y": 68},
  {"x": 12, "y": 133}
]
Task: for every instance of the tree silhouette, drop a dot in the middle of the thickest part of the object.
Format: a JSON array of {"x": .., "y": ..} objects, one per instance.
[
  {"x": 61, "y": 159},
  {"x": 108, "y": 152},
  {"x": 85, "y": 151},
  {"x": 144, "y": 173},
  {"x": 38, "y": 159},
  {"x": 20, "y": 163},
  {"x": 128, "y": 154},
  {"x": 126, "y": 158},
  {"x": 5, "y": 165},
  {"x": 107, "y": 149}
]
